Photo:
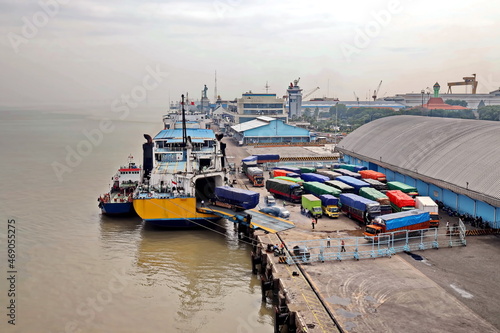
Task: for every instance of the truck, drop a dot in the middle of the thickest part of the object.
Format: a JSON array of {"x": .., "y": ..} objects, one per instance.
[
  {"x": 405, "y": 188},
  {"x": 381, "y": 198},
  {"x": 350, "y": 167},
  {"x": 256, "y": 176},
  {"x": 235, "y": 198},
  {"x": 314, "y": 177},
  {"x": 362, "y": 209},
  {"x": 372, "y": 174},
  {"x": 279, "y": 173},
  {"x": 267, "y": 158},
  {"x": 330, "y": 174},
  {"x": 318, "y": 189},
  {"x": 376, "y": 184},
  {"x": 291, "y": 179},
  {"x": 312, "y": 205},
  {"x": 330, "y": 205},
  {"x": 356, "y": 183},
  {"x": 343, "y": 187},
  {"x": 400, "y": 201},
  {"x": 397, "y": 223},
  {"x": 345, "y": 172},
  {"x": 292, "y": 174},
  {"x": 428, "y": 205},
  {"x": 307, "y": 170},
  {"x": 284, "y": 189},
  {"x": 290, "y": 169}
]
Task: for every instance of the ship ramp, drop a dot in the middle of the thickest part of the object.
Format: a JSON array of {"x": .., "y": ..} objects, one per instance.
[{"x": 258, "y": 219}]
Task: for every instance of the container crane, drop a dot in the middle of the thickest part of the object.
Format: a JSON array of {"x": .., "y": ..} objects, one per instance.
[
  {"x": 356, "y": 96},
  {"x": 310, "y": 93},
  {"x": 376, "y": 90},
  {"x": 468, "y": 81}
]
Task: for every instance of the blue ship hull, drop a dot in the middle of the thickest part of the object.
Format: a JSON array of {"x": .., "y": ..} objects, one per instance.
[
  {"x": 120, "y": 208},
  {"x": 182, "y": 223}
]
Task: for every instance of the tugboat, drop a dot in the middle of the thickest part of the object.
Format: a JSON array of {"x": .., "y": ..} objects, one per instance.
[
  {"x": 119, "y": 199},
  {"x": 182, "y": 166}
]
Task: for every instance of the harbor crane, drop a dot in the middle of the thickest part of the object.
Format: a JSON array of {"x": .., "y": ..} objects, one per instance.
[
  {"x": 376, "y": 90},
  {"x": 310, "y": 93},
  {"x": 356, "y": 96},
  {"x": 468, "y": 81}
]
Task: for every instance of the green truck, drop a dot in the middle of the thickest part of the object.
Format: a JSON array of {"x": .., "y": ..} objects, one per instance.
[
  {"x": 312, "y": 205},
  {"x": 318, "y": 189},
  {"x": 405, "y": 188},
  {"x": 381, "y": 198}
]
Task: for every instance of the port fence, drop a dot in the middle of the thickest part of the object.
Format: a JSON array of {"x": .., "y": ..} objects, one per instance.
[{"x": 387, "y": 245}]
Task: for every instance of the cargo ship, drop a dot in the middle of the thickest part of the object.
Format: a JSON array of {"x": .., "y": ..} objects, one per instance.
[
  {"x": 118, "y": 201},
  {"x": 183, "y": 164}
]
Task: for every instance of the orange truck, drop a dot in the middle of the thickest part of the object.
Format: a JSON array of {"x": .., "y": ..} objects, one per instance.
[{"x": 397, "y": 224}]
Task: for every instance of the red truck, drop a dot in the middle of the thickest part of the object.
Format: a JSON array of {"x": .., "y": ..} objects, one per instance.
[
  {"x": 256, "y": 176},
  {"x": 400, "y": 201},
  {"x": 371, "y": 174}
]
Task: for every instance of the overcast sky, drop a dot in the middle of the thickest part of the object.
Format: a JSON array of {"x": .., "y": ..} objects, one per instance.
[{"x": 94, "y": 52}]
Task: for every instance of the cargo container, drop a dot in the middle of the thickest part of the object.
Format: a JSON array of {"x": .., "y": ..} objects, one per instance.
[
  {"x": 312, "y": 205},
  {"x": 428, "y": 205},
  {"x": 284, "y": 189},
  {"x": 372, "y": 174},
  {"x": 362, "y": 209},
  {"x": 330, "y": 174},
  {"x": 400, "y": 201},
  {"x": 397, "y": 223},
  {"x": 345, "y": 172},
  {"x": 287, "y": 168},
  {"x": 291, "y": 179},
  {"x": 235, "y": 198},
  {"x": 378, "y": 185},
  {"x": 356, "y": 183},
  {"x": 256, "y": 176},
  {"x": 314, "y": 177},
  {"x": 267, "y": 158},
  {"x": 318, "y": 189},
  {"x": 381, "y": 198},
  {"x": 330, "y": 205},
  {"x": 343, "y": 187},
  {"x": 307, "y": 170},
  {"x": 405, "y": 188},
  {"x": 350, "y": 167}
]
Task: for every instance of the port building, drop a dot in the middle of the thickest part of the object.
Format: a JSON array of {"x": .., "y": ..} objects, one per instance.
[
  {"x": 265, "y": 129},
  {"x": 251, "y": 105},
  {"x": 454, "y": 161}
]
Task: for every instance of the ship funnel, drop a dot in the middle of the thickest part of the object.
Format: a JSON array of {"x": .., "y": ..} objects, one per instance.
[{"x": 147, "y": 156}]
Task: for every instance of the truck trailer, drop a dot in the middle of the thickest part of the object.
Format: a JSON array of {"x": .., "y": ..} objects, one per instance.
[
  {"x": 381, "y": 198},
  {"x": 330, "y": 174},
  {"x": 284, "y": 189},
  {"x": 318, "y": 189},
  {"x": 372, "y": 174},
  {"x": 312, "y": 205},
  {"x": 362, "y": 209},
  {"x": 397, "y": 223},
  {"x": 428, "y": 205},
  {"x": 256, "y": 176},
  {"x": 400, "y": 201},
  {"x": 346, "y": 172},
  {"x": 356, "y": 183},
  {"x": 314, "y": 177},
  {"x": 405, "y": 188},
  {"x": 235, "y": 198},
  {"x": 343, "y": 187}
]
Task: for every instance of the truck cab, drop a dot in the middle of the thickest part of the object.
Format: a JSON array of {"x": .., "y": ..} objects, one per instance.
[
  {"x": 331, "y": 211},
  {"x": 312, "y": 205}
]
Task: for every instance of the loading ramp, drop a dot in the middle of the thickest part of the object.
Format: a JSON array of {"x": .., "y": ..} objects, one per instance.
[{"x": 258, "y": 219}]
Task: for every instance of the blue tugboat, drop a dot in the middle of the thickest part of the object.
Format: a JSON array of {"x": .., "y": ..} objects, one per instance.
[{"x": 118, "y": 201}]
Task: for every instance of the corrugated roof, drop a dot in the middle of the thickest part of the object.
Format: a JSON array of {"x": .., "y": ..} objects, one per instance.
[
  {"x": 447, "y": 152},
  {"x": 247, "y": 125},
  {"x": 194, "y": 133}
]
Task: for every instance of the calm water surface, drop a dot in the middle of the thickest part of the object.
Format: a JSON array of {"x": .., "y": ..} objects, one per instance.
[{"x": 79, "y": 271}]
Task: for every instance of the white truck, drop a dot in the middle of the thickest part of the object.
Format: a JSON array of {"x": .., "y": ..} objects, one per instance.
[{"x": 428, "y": 205}]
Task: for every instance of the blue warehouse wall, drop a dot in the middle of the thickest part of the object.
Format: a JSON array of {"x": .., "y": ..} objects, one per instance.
[{"x": 277, "y": 128}]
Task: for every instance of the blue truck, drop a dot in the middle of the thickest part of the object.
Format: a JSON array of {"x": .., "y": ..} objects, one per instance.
[
  {"x": 235, "y": 198},
  {"x": 398, "y": 223},
  {"x": 314, "y": 177},
  {"x": 359, "y": 208},
  {"x": 356, "y": 183}
]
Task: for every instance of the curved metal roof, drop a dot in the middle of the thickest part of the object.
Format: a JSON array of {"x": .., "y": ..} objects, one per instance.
[{"x": 458, "y": 154}]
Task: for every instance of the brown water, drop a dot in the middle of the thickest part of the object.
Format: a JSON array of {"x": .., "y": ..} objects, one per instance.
[{"x": 78, "y": 271}]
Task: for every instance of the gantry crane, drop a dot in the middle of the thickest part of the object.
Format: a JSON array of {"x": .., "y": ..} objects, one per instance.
[
  {"x": 468, "y": 81},
  {"x": 376, "y": 90},
  {"x": 310, "y": 93}
]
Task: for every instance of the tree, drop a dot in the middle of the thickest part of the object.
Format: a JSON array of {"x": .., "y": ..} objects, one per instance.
[
  {"x": 307, "y": 113},
  {"x": 490, "y": 112},
  {"x": 456, "y": 102}
]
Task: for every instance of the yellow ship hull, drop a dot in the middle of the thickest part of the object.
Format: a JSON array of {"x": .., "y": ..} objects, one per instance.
[{"x": 172, "y": 212}]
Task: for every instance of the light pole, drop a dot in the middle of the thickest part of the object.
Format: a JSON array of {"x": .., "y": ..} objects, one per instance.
[
  {"x": 336, "y": 117},
  {"x": 422, "y": 92}
]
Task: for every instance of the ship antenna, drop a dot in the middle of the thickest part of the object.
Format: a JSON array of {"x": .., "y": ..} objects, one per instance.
[{"x": 184, "y": 132}]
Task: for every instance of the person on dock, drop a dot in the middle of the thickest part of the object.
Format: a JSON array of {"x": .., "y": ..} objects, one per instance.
[
  {"x": 328, "y": 241},
  {"x": 312, "y": 223},
  {"x": 342, "y": 248}
]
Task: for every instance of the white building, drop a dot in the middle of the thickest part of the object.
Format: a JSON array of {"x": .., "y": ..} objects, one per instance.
[{"x": 250, "y": 106}]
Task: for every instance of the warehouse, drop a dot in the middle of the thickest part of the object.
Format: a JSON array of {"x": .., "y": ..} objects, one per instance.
[
  {"x": 454, "y": 161},
  {"x": 269, "y": 130}
]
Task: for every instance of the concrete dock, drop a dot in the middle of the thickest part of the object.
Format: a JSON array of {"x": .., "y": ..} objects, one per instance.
[{"x": 443, "y": 290}]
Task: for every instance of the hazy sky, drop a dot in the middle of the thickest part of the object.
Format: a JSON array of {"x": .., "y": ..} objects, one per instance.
[{"x": 74, "y": 52}]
